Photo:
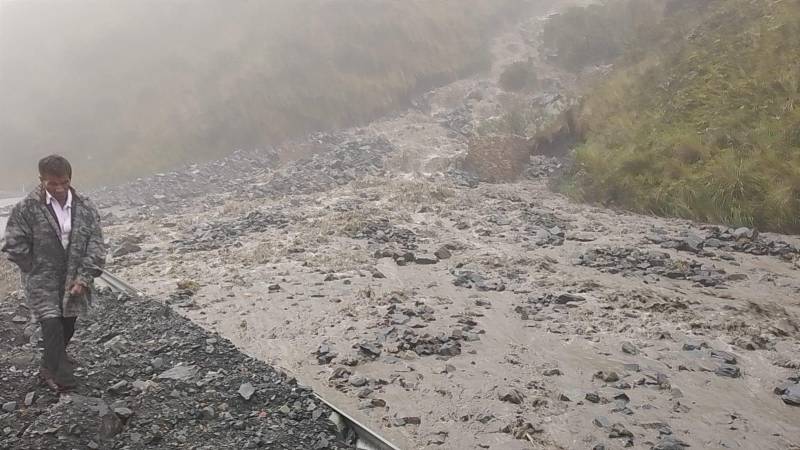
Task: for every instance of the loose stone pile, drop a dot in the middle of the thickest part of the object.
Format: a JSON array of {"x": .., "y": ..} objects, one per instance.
[
  {"x": 151, "y": 379},
  {"x": 741, "y": 240},
  {"x": 631, "y": 261}
]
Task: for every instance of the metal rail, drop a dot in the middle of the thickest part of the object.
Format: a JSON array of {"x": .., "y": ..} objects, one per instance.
[
  {"x": 118, "y": 285},
  {"x": 366, "y": 439}
]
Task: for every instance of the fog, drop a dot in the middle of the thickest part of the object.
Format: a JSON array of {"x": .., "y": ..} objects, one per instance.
[{"x": 131, "y": 87}]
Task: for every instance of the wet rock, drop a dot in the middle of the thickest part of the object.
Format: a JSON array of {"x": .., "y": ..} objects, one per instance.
[
  {"x": 607, "y": 376},
  {"x": 471, "y": 279},
  {"x": 426, "y": 259},
  {"x": 443, "y": 253},
  {"x": 727, "y": 370},
  {"x": 451, "y": 348},
  {"x": 791, "y": 395},
  {"x": 521, "y": 429},
  {"x": 564, "y": 299},
  {"x": 180, "y": 373},
  {"x": 126, "y": 248},
  {"x": 742, "y": 233},
  {"x": 602, "y": 422},
  {"x": 619, "y": 431},
  {"x": 691, "y": 243},
  {"x": 511, "y": 395},
  {"x": 325, "y": 355},
  {"x": 412, "y": 420},
  {"x": 357, "y": 381},
  {"x": 670, "y": 443},
  {"x": 592, "y": 397},
  {"x": 727, "y": 358},
  {"x": 118, "y": 387},
  {"x": 246, "y": 390},
  {"x": 629, "y": 348},
  {"x": 123, "y": 413},
  {"x": 692, "y": 347},
  {"x": 369, "y": 349},
  {"x": 208, "y": 413}
]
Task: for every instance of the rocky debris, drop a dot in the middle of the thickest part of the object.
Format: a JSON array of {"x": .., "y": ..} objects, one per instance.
[
  {"x": 345, "y": 160},
  {"x": 401, "y": 332},
  {"x": 715, "y": 238},
  {"x": 629, "y": 348},
  {"x": 790, "y": 391},
  {"x": 536, "y": 303},
  {"x": 471, "y": 279},
  {"x": 727, "y": 358},
  {"x": 206, "y": 399},
  {"x": 425, "y": 259},
  {"x": 325, "y": 354},
  {"x": 127, "y": 245},
  {"x": 443, "y": 253},
  {"x": 607, "y": 376},
  {"x": 521, "y": 429},
  {"x": 165, "y": 192},
  {"x": 382, "y": 231},
  {"x": 670, "y": 443},
  {"x": 246, "y": 390},
  {"x": 227, "y": 232},
  {"x": 180, "y": 373},
  {"x": 458, "y": 120},
  {"x": 631, "y": 261},
  {"x": 727, "y": 370},
  {"x": 541, "y": 166},
  {"x": 511, "y": 395},
  {"x": 462, "y": 178},
  {"x": 403, "y": 421}
]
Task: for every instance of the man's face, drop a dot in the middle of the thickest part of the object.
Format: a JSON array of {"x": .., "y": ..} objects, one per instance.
[{"x": 57, "y": 186}]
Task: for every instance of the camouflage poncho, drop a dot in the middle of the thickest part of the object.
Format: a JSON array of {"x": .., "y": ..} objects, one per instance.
[{"x": 33, "y": 243}]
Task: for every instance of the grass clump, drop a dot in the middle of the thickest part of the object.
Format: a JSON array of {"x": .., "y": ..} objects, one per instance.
[{"x": 706, "y": 125}]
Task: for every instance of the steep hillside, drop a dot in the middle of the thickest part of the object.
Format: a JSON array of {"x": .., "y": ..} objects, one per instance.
[
  {"x": 131, "y": 87},
  {"x": 700, "y": 120}
]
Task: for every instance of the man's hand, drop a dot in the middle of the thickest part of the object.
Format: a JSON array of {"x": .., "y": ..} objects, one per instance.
[{"x": 78, "y": 289}]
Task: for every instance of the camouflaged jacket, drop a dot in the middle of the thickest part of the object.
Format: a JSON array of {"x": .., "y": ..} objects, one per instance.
[{"x": 33, "y": 243}]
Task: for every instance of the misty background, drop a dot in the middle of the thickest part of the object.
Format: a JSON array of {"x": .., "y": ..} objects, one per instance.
[{"x": 130, "y": 87}]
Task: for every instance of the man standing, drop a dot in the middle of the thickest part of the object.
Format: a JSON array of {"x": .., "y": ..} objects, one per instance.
[{"x": 54, "y": 236}]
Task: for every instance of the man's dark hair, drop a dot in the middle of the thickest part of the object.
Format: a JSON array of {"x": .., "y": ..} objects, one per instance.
[{"x": 55, "y": 165}]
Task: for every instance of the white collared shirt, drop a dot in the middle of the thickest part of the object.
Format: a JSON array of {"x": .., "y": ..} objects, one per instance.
[{"x": 63, "y": 214}]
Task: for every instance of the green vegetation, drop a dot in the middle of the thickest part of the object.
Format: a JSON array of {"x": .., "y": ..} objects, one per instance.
[
  {"x": 601, "y": 33},
  {"x": 131, "y": 87},
  {"x": 702, "y": 121}
]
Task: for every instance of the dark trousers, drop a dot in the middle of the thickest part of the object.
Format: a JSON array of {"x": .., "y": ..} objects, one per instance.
[{"x": 56, "y": 334}]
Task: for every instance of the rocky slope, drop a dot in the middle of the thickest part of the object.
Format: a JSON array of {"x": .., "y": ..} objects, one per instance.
[
  {"x": 452, "y": 313},
  {"x": 458, "y": 314},
  {"x": 151, "y": 379}
]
